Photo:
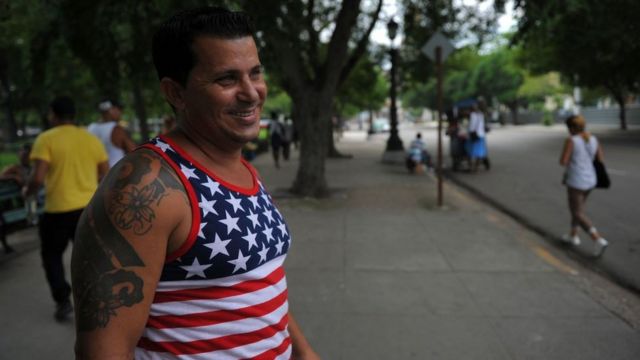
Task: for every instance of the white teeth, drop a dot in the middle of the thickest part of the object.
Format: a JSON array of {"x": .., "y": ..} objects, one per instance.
[{"x": 246, "y": 113}]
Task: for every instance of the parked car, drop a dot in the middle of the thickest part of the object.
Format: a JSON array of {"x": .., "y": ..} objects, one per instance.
[{"x": 380, "y": 125}]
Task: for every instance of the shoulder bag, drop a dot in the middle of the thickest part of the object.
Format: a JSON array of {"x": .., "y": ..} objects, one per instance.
[{"x": 602, "y": 177}]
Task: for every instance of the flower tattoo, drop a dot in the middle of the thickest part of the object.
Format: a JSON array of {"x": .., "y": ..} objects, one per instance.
[{"x": 132, "y": 210}]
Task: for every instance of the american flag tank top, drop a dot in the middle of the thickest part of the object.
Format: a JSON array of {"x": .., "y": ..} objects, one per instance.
[{"x": 223, "y": 294}]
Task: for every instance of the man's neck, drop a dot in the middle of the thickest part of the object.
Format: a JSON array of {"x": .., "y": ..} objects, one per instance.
[
  {"x": 227, "y": 164},
  {"x": 212, "y": 154}
]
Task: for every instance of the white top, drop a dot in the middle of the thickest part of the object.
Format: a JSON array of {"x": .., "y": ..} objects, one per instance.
[
  {"x": 417, "y": 144},
  {"x": 580, "y": 172},
  {"x": 103, "y": 131},
  {"x": 476, "y": 123}
]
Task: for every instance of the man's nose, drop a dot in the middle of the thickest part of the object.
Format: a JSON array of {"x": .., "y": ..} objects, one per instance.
[{"x": 249, "y": 90}]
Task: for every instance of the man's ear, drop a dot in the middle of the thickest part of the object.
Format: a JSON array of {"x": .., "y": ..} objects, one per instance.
[{"x": 173, "y": 92}]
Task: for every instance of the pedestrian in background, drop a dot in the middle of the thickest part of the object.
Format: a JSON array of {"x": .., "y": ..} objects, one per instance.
[
  {"x": 477, "y": 146},
  {"x": 457, "y": 141},
  {"x": 580, "y": 149},
  {"x": 417, "y": 156},
  {"x": 113, "y": 136},
  {"x": 69, "y": 161},
  {"x": 287, "y": 138},
  {"x": 276, "y": 137}
]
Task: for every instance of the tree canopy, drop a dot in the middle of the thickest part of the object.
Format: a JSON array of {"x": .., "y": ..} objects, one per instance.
[
  {"x": 310, "y": 48},
  {"x": 576, "y": 37}
]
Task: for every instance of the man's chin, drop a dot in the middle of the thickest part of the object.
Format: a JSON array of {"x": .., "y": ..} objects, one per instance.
[{"x": 244, "y": 138}]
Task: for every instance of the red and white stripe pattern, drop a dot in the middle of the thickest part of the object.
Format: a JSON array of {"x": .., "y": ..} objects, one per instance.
[
  {"x": 224, "y": 296},
  {"x": 183, "y": 325}
]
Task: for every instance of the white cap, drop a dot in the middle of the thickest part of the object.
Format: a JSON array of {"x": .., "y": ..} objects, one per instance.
[{"x": 105, "y": 105}]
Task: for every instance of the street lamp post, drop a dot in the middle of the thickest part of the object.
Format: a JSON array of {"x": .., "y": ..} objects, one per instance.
[{"x": 394, "y": 151}]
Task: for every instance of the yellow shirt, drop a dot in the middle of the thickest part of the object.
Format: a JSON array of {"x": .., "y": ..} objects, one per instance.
[{"x": 73, "y": 155}]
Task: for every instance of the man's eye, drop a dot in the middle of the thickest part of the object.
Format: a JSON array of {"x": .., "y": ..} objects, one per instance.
[
  {"x": 226, "y": 80},
  {"x": 256, "y": 74}
]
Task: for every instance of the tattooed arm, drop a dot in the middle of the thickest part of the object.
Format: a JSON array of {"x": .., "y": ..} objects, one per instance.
[{"x": 135, "y": 218}]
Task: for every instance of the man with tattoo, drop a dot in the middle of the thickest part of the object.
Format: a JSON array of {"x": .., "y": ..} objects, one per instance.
[
  {"x": 180, "y": 252},
  {"x": 69, "y": 162}
]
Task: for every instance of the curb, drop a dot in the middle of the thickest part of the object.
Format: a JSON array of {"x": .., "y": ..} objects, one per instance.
[{"x": 548, "y": 236}]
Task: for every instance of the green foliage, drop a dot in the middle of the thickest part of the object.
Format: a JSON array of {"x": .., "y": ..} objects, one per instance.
[
  {"x": 497, "y": 76},
  {"x": 456, "y": 19},
  {"x": 594, "y": 43},
  {"x": 536, "y": 87},
  {"x": 590, "y": 96},
  {"x": 366, "y": 88},
  {"x": 8, "y": 158},
  {"x": 85, "y": 50},
  {"x": 470, "y": 75},
  {"x": 278, "y": 102},
  {"x": 547, "y": 118}
]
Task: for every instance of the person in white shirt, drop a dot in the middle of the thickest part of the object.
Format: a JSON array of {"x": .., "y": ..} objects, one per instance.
[
  {"x": 580, "y": 149},
  {"x": 114, "y": 137},
  {"x": 477, "y": 146},
  {"x": 417, "y": 156}
]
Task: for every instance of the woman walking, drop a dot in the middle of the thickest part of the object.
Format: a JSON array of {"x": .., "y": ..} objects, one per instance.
[
  {"x": 477, "y": 146},
  {"x": 577, "y": 157}
]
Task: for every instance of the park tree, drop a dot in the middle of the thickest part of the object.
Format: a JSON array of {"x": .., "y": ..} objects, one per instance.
[
  {"x": 365, "y": 89},
  {"x": 278, "y": 101},
  {"x": 38, "y": 65},
  {"x": 459, "y": 21},
  {"x": 497, "y": 76},
  {"x": 86, "y": 50},
  {"x": 591, "y": 43},
  {"x": 536, "y": 88},
  {"x": 113, "y": 38},
  {"x": 457, "y": 83},
  {"x": 27, "y": 29},
  {"x": 310, "y": 47}
]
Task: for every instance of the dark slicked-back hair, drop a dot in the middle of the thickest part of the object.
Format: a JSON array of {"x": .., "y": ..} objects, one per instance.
[
  {"x": 63, "y": 107},
  {"x": 173, "y": 54}
]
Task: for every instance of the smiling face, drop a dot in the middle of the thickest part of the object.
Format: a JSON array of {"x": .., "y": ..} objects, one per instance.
[{"x": 223, "y": 97}]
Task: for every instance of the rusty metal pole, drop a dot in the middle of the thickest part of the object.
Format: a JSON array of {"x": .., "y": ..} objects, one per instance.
[{"x": 439, "y": 166}]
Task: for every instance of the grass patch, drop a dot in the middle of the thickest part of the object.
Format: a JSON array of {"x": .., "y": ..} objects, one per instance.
[{"x": 8, "y": 158}]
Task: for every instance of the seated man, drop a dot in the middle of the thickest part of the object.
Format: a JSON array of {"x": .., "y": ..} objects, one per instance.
[
  {"x": 417, "y": 155},
  {"x": 19, "y": 172}
]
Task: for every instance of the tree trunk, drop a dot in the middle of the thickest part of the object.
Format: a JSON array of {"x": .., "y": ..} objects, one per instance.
[
  {"x": 623, "y": 111},
  {"x": 141, "y": 110},
  {"x": 514, "y": 113},
  {"x": 11, "y": 128},
  {"x": 332, "y": 151},
  {"x": 312, "y": 113}
]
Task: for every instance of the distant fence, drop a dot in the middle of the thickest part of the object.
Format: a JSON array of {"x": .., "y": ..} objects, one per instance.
[{"x": 593, "y": 115}]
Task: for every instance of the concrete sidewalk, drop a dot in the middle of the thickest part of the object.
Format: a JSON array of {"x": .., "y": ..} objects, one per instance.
[{"x": 378, "y": 272}]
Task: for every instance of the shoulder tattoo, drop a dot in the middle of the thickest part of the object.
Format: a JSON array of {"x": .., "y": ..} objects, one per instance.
[{"x": 103, "y": 259}]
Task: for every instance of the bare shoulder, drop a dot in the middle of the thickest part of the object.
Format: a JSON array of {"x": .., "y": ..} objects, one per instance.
[
  {"x": 136, "y": 190},
  {"x": 122, "y": 238}
]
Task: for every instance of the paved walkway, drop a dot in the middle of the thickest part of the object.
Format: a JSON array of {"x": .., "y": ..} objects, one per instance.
[
  {"x": 378, "y": 272},
  {"x": 525, "y": 181}
]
